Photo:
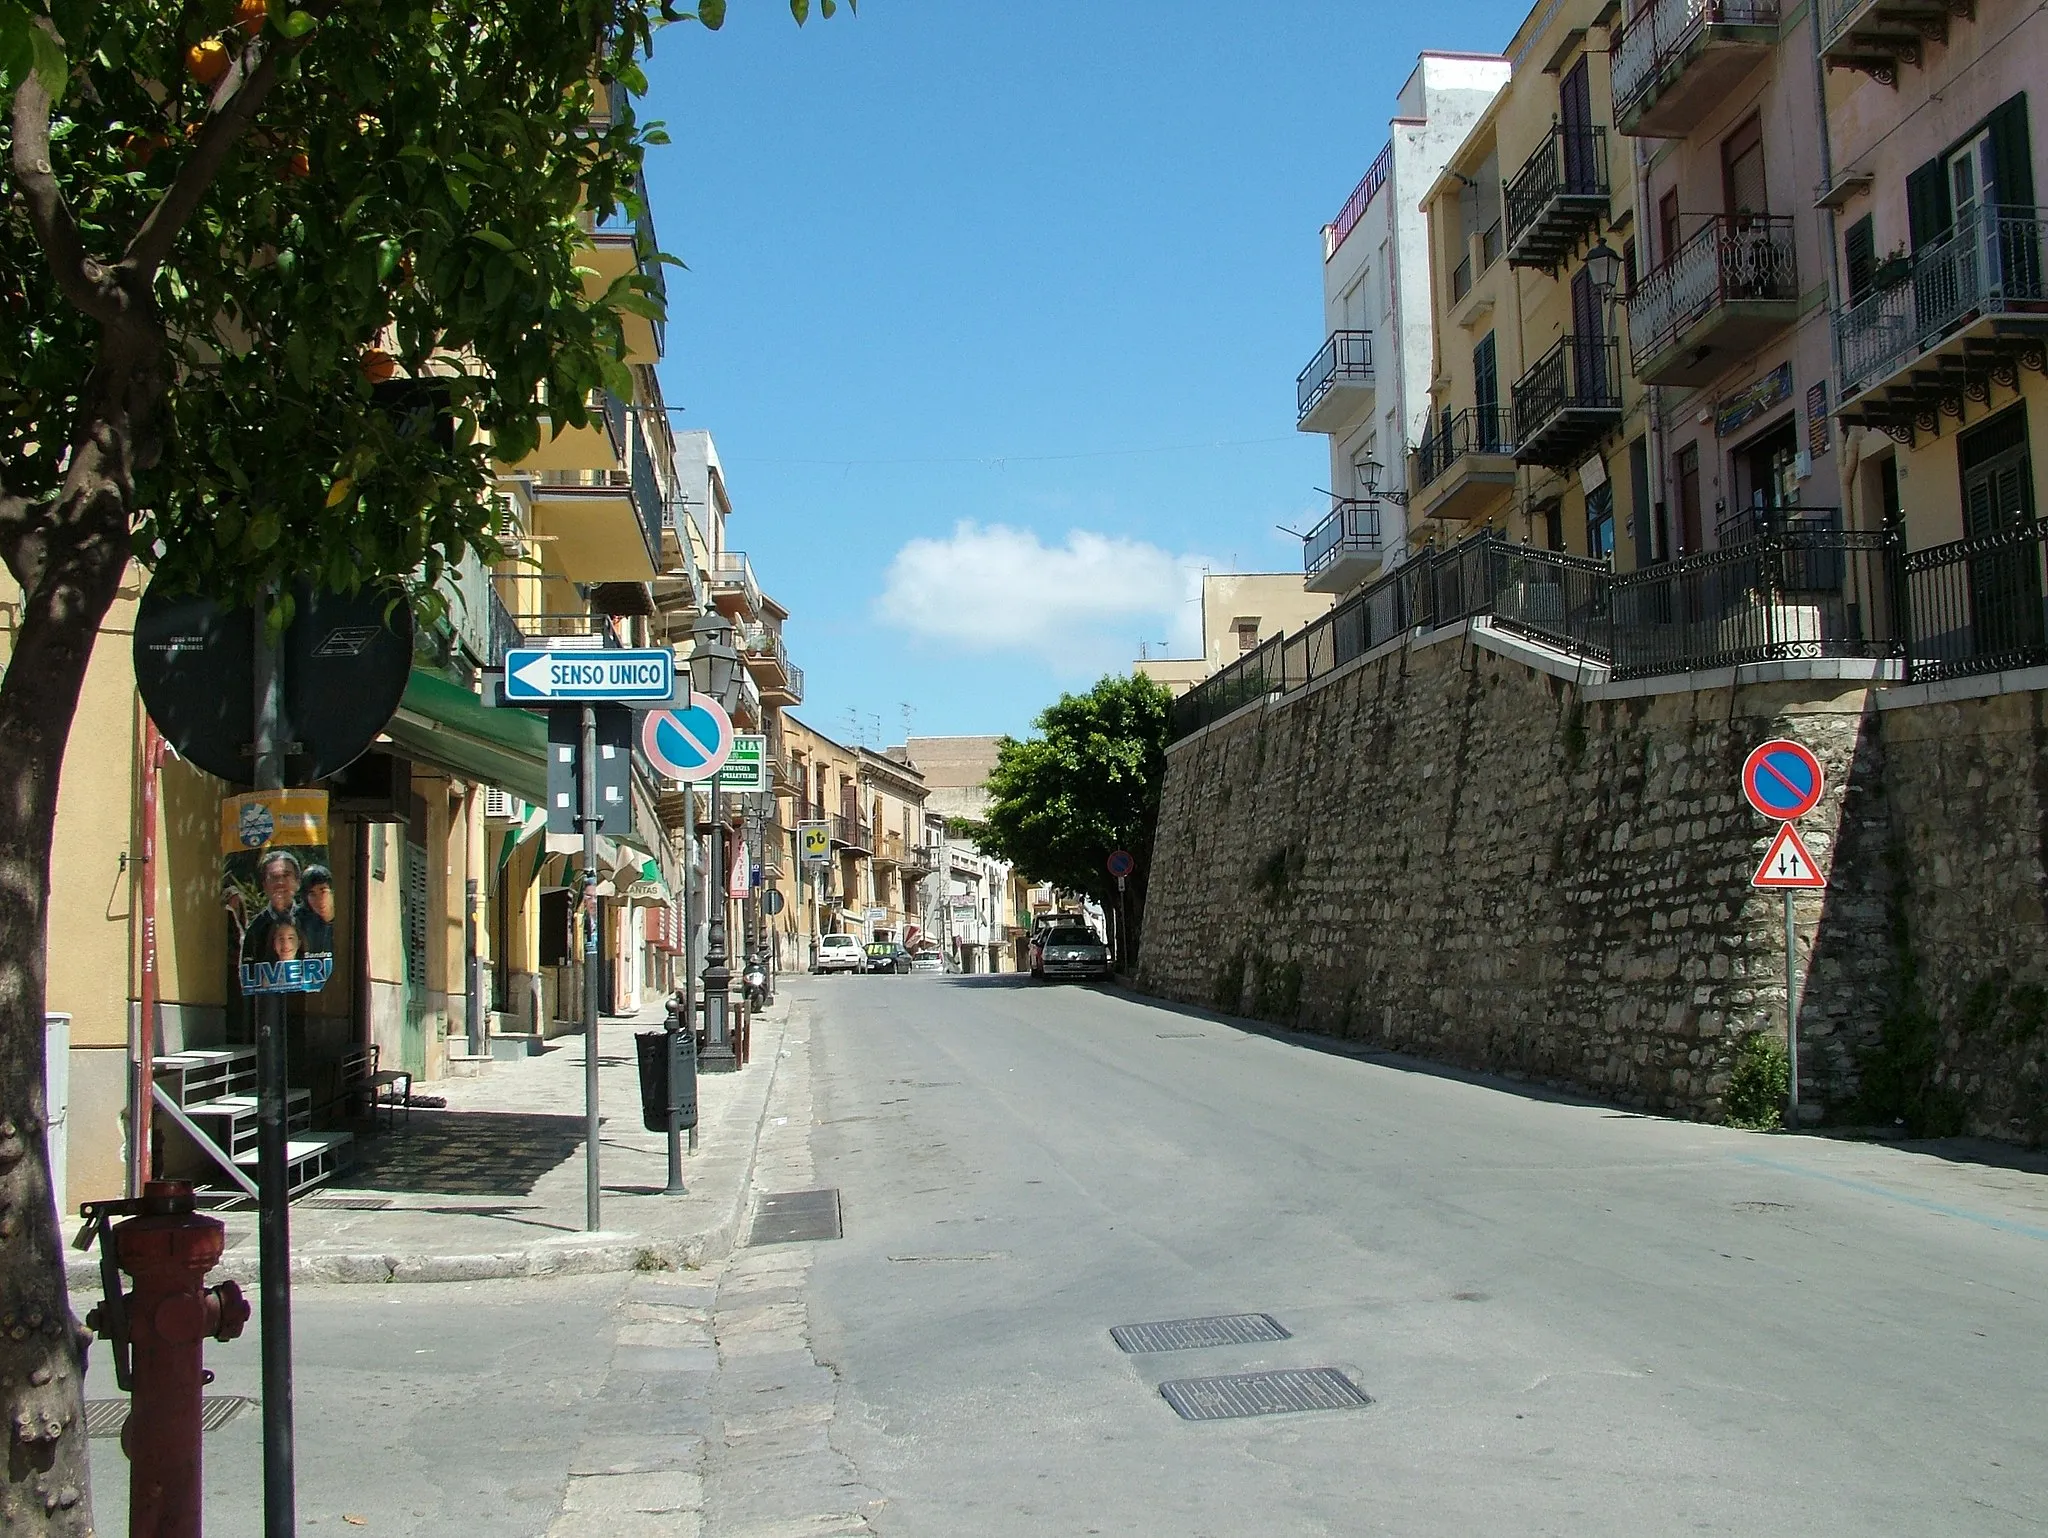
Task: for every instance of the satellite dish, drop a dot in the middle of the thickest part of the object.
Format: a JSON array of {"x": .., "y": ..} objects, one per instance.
[{"x": 345, "y": 661}]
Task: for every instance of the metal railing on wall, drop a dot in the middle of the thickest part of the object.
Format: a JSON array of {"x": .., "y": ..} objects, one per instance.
[{"x": 1786, "y": 584}]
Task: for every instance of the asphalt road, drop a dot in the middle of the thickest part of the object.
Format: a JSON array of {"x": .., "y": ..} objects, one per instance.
[{"x": 1570, "y": 1319}]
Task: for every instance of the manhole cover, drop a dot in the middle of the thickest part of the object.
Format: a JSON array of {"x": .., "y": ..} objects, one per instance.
[
  {"x": 345, "y": 1203},
  {"x": 1190, "y": 1334},
  {"x": 1262, "y": 1393},
  {"x": 106, "y": 1417},
  {"x": 791, "y": 1217}
]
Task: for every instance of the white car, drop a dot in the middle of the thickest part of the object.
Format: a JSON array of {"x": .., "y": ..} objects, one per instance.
[
  {"x": 927, "y": 961},
  {"x": 840, "y": 953}
]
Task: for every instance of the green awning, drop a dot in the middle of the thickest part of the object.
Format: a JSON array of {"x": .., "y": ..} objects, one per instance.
[{"x": 444, "y": 725}]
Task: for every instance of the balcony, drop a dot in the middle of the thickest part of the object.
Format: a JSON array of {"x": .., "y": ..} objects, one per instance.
[
  {"x": 590, "y": 526},
  {"x": 1680, "y": 58},
  {"x": 733, "y": 588},
  {"x": 852, "y": 834},
  {"x": 1968, "y": 313},
  {"x": 1568, "y": 402},
  {"x": 1465, "y": 466},
  {"x": 1344, "y": 549},
  {"x": 620, "y": 246},
  {"x": 599, "y": 444},
  {"x": 767, "y": 659},
  {"x": 1337, "y": 386},
  {"x": 1877, "y": 36},
  {"x": 1558, "y": 197},
  {"x": 1729, "y": 289},
  {"x": 890, "y": 849}
]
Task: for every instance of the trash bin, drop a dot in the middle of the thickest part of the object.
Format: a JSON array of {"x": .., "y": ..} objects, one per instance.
[{"x": 654, "y": 1078}]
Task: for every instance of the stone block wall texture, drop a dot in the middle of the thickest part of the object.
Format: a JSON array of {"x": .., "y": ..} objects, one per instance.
[{"x": 1446, "y": 852}]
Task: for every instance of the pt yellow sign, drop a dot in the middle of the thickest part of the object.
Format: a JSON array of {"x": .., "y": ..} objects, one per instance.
[{"x": 814, "y": 841}]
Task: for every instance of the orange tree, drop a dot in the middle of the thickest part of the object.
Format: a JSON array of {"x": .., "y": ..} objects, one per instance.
[
  {"x": 1062, "y": 802},
  {"x": 279, "y": 279}
]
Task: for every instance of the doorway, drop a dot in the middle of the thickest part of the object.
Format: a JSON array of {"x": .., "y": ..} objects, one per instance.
[
  {"x": 1998, "y": 499},
  {"x": 1766, "y": 476}
]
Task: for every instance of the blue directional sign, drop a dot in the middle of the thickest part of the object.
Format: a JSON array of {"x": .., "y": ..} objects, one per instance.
[
  {"x": 688, "y": 744},
  {"x": 1782, "y": 779},
  {"x": 545, "y": 677}
]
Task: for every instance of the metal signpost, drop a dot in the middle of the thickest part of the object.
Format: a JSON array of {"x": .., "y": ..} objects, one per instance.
[
  {"x": 1784, "y": 781},
  {"x": 266, "y": 711},
  {"x": 590, "y": 748},
  {"x": 692, "y": 744},
  {"x": 1120, "y": 866},
  {"x": 814, "y": 850}
]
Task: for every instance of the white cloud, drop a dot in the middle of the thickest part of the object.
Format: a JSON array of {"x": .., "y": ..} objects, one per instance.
[{"x": 1081, "y": 606}]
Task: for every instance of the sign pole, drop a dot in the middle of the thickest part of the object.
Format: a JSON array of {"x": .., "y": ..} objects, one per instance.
[
  {"x": 1791, "y": 1016},
  {"x": 587, "y": 815},
  {"x": 273, "y": 1090}
]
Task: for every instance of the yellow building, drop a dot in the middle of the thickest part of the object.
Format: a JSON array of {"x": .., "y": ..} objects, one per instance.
[
  {"x": 1239, "y": 610},
  {"x": 1536, "y": 428}
]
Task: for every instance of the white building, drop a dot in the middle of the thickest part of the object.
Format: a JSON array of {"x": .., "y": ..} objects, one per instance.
[{"x": 1368, "y": 386}]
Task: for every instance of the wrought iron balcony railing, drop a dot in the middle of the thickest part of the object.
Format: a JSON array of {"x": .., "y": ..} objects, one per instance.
[
  {"x": 1559, "y": 194},
  {"x": 1351, "y": 528},
  {"x": 1475, "y": 430},
  {"x": 1988, "y": 265},
  {"x": 1568, "y": 400},
  {"x": 1346, "y": 358},
  {"x": 1727, "y": 261},
  {"x": 1660, "y": 35}
]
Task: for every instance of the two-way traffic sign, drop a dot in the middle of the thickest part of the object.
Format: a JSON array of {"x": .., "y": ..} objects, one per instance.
[
  {"x": 1788, "y": 864},
  {"x": 618, "y": 677}
]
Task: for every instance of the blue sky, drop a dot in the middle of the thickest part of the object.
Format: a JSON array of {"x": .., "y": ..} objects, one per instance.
[{"x": 994, "y": 311}]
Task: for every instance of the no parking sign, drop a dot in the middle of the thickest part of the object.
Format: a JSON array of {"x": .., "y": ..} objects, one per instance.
[{"x": 688, "y": 744}]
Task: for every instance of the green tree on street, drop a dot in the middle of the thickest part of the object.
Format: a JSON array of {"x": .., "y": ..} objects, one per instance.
[
  {"x": 279, "y": 281},
  {"x": 1063, "y": 801}
]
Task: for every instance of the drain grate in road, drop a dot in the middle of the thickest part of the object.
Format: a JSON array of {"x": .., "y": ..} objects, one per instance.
[
  {"x": 106, "y": 1417},
  {"x": 1263, "y": 1393},
  {"x": 344, "y": 1203},
  {"x": 1192, "y": 1334},
  {"x": 792, "y": 1217}
]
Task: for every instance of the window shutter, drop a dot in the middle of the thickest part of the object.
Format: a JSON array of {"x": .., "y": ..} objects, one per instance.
[
  {"x": 1859, "y": 257},
  {"x": 1927, "y": 212},
  {"x": 2011, "y": 154}
]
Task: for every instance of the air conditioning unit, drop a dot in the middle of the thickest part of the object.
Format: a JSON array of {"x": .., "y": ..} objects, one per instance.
[{"x": 503, "y": 806}]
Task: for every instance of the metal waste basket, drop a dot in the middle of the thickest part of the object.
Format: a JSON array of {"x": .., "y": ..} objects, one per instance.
[{"x": 653, "y": 1052}]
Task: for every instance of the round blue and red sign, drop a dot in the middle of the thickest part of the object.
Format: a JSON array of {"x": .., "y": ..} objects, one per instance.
[
  {"x": 1121, "y": 864},
  {"x": 1782, "y": 780}
]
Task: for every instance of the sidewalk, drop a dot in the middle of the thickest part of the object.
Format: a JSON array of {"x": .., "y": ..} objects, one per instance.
[{"x": 493, "y": 1186}]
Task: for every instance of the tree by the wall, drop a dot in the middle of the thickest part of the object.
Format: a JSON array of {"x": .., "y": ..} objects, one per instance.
[
  {"x": 279, "y": 280},
  {"x": 1086, "y": 785}
]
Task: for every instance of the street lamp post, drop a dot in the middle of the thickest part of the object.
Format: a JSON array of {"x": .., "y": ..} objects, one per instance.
[{"x": 714, "y": 671}]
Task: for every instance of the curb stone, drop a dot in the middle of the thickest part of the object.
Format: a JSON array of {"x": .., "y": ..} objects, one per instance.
[{"x": 613, "y": 1252}]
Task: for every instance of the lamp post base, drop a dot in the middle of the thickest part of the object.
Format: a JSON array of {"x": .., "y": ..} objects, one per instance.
[{"x": 718, "y": 1058}]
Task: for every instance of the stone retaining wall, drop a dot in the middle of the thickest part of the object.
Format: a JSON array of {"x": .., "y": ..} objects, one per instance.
[{"x": 1447, "y": 851}]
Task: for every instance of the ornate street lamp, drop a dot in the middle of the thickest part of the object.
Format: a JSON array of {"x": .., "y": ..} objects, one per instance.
[{"x": 715, "y": 672}]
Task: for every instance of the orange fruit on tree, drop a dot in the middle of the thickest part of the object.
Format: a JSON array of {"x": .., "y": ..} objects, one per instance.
[
  {"x": 378, "y": 365},
  {"x": 250, "y": 16},
  {"x": 206, "y": 62},
  {"x": 298, "y": 165}
]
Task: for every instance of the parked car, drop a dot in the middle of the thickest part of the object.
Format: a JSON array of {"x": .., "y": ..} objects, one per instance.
[
  {"x": 927, "y": 961},
  {"x": 1068, "y": 952},
  {"x": 840, "y": 953},
  {"x": 887, "y": 956}
]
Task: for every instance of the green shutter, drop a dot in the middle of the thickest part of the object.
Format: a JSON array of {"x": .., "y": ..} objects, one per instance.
[
  {"x": 1859, "y": 257},
  {"x": 1927, "y": 210},
  {"x": 2011, "y": 155}
]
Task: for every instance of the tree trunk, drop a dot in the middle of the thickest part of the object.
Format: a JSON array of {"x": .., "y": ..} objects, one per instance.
[{"x": 82, "y": 552}]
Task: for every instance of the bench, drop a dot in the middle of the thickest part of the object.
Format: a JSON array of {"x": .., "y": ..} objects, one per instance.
[{"x": 386, "y": 1089}]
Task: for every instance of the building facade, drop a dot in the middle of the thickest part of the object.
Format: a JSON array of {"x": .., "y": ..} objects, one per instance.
[
  {"x": 1239, "y": 610},
  {"x": 1368, "y": 386}
]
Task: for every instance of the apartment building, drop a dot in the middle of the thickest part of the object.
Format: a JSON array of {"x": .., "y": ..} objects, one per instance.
[
  {"x": 1941, "y": 325},
  {"x": 457, "y": 930},
  {"x": 1239, "y": 610},
  {"x": 873, "y": 808},
  {"x": 1367, "y": 388},
  {"x": 1535, "y": 428}
]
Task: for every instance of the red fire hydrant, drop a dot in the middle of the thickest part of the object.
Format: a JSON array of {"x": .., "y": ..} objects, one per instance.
[{"x": 157, "y": 1334}]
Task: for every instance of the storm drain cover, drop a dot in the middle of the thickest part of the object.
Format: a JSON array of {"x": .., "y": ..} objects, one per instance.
[
  {"x": 1262, "y": 1393},
  {"x": 106, "y": 1417},
  {"x": 1190, "y": 1334},
  {"x": 791, "y": 1217},
  {"x": 344, "y": 1203}
]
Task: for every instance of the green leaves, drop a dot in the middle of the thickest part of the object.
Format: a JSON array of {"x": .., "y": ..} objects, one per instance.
[
  {"x": 27, "y": 47},
  {"x": 711, "y": 13}
]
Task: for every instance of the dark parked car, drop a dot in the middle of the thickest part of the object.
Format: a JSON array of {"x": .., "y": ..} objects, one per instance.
[
  {"x": 888, "y": 956},
  {"x": 1068, "y": 952}
]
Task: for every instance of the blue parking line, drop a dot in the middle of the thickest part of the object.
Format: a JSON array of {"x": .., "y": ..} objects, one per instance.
[{"x": 2025, "y": 1230}]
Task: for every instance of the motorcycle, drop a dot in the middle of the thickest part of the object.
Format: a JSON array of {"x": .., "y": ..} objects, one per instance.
[{"x": 756, "y": 983}]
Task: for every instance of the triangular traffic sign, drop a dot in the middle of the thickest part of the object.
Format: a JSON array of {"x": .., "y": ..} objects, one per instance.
[{"x": 1788, "y": 863}]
